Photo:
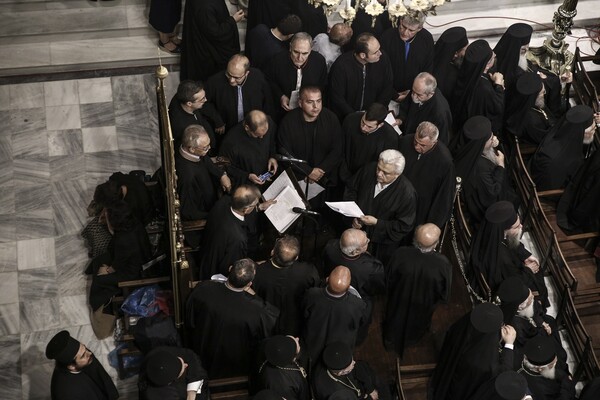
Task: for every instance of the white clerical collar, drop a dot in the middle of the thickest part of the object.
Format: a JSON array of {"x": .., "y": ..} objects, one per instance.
[
  {"x": 275, "y": 36},
  {"x": 380, "y": 187},
  {"x": 188, "y": 156},
  {"x": 238, "y": 216},
  {"x": 337, "y": 296}
]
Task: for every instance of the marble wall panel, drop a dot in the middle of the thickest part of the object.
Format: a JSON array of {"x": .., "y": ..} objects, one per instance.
[
  {"x": 97, "y": 114},
  {"x": 4, "y": 97},
  {"x": 39, "y": 315},
  {"x": 97, "y": 90},
  {"x": 9, "y": 319},
  {"x": 70, "y": 167},
  {"x": 35, "y": 224},
  {"x": 36, "y": 253},
  {"x": 8, "y": 257},
  {"x": 60, "y": 93},
  {"x": 37, "y": 284},
  {"x": 9, "y": 287},
  {"x": 63, "y": 143},
  {"x": 24, "y": 55}
]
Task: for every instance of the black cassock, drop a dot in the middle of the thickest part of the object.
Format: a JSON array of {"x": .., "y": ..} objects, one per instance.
[
  {"x": 435, "y": 110},
  {"x": 561, "y": 388},
  {"x": 360, "y": 148},
  {"x": 227, "y": 327},
  {"x": 180, "y": 120},
  {"x": 317, "y": 142},
  {"x": 356, "y": 385},
  {"x": 268, "y": 12},
  {"x": 420, "y": 56},
  {"x": 92, "y": 383},
  {"x": 255, "y": 96},
  {"x": 433, "y": 177},
  {"x": 137, "y": 197},
  {"x": 313, "y": 18},
  {"x": 329, "y": 319},
  {"x": 287, "y": 381},
  {"x": 487, "y": 99},
  {"x": 535, "y": 125},
  {"x": 363, "y": 22},
  {"x": 394, "y": 207},
  {"x": 284, "y": 287},
  {"x": 248, "y": 155},
  {"x": 210, "y": 38},
  {"x": 416, "y": 282},
  {"x": 347, "y": 91},
  {"x": 225, "y": 240},
  {"x": 262, "y": 46},
  {"x": 176, "y": 390}
]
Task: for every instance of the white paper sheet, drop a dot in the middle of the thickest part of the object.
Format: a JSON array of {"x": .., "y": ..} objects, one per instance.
[
  {"x": 390, "y": 119},
  {"x": 313, "y": 190},
  {"x": 280, "y": 214},
  {"x": 277, "y": 186},
  {"x": 347, "y": 208}
]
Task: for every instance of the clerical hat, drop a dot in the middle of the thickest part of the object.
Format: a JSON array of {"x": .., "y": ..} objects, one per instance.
[
  {"x": 580, "y": 115},
  {"x": 529, "y": 83},
  {"x": 62, "y": 348},
  {"x": 486, "y": 317},
  {"x": 455, "y": 36},
  {"x": 511, "y": 385},
  {"x": 520, "y": 31},
  {"x": 540, "y": 350},
  {"x": 162, "y": 367},
  {"x": 478, "y": 52},
  {"x": 337, "y": 356},
  {"x": 280, "y": 350},
  {"x": 513, "y": 290},
  {"x": 477, "y": 127},
  {"x": 501, "y": 213}
]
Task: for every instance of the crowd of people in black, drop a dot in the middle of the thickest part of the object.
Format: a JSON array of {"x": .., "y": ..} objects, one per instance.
[{"x": 291, "y": 323}]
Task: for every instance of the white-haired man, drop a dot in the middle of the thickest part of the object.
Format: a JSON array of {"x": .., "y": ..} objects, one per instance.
[{"x": 388, "y": 200}]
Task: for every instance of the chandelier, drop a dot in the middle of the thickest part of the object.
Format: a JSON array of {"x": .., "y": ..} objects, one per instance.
[{"x": 374, "y": 8}]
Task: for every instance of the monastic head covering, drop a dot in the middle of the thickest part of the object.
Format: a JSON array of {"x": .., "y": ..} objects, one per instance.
[
  {"x": 521, "y": 100},
  {"x": 62, "y": 348},
  {"x": 511, "y": 292},
  {"x": 519, "y": 32},
  {"x": 511, "y": 385},
  {"x": 267, "y": 394},
  {"x": 486, "y": 317},
  {"x": 580, "y": 116},
  {"x": 540, "y": 350},
  {"x": 529, "y": 83},
  {"x": 469, "y": 145},
  {"x": 508, "y": 50},
  {"x": 280, "y": 350},
  {"x": 478, "y": 127},
  {"x": 502, "y": 213},
  {"x": 479, "y": 52},
  {"x": 162, "y": 367},
  {"x": 449, "y": 42},
  {"x": 337, "y": 356}
]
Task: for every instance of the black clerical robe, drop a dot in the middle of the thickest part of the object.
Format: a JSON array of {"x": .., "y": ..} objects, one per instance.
[
  {"x": 487, "y": 99},
  {"x": 267, "y": 12},
  {"x": 435, "y": 110},
  {"x": 248, "y": 155},
  {"x": 560, "y": 388},
  {"x": 180, "y": 119},
  {"x": 357, "y": 384},
  {"x": 433, "y": 177},
  {"x": 354, "y": 86},
  {"x": 92, "y": 383},
  {"x": 446, "y": 76},
  {"x": 362, "y": 148},
  {"x": 318, "y": 142},
  {"x": 329, "y": 319},
  {"x": 227, "y": 327},
  {"x": 136, "y": 195},
  {"x": 394, "y": 207},
  {"x": 286, "y": 381},
  {"x": 210, "y": 38},
  {"x": 420, "y": 56},
  {"x": 282, "y": 75},
  {"x": 255, "y": 96},
  {"x": 225, "y": 240},
  {"x": 363, "y": 22},
  {"x": 416, "y": 282},
  {"x": 176, "y": 390},
  {"x": 535, "y": 125},
  {"x": 314, "y": 20},
  {"x": 284, "y": 287},
  {"x": 262, "y": 45}
]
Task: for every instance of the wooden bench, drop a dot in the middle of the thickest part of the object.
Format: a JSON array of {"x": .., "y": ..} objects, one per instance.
[
  {"x": 229, "y": 388},
  {"x": 412, "y": 380}
]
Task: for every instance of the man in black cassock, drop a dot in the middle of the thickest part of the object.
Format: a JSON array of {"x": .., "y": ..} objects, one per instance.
[
  {"x": 264, "y": 42},
  {"x": 363, "y": 22},
  {"x": 366, "y": 135},
  {"x": 498, "y": 253},
  {"x": 360, "y": 78},
  {"x": 508, "y": 385},
  {"x": 282, "y": 370},
  {"x": 388, "y": 200},
  {"x": 172, "y": 373},
  {"x": 250, "y": 148},
  {"x": 547, "y": 377},
  {"x": 312, "y": 133},
  {"x": 449, "y": 53},
  {"x": 225, "y": 238},
  {"x": 430, "y": 169},
  {"x": 77, "y": 374},
  {"x": 425, "y": 103},
  {"x": 417, "y": 279},
  {"x": 266, "y": 12},
  {"x": 332, "y": 314},
  {"x": 314, "y": 20},
  {"x": 228, "y": 321},
  {"x": 185, "y": 109},
  {"x": 210, "y": 38},
  {"x": 288, "y": 72},
  {"x": 236, "y": 91},
  {"x": 478, "y": 91},
  {"x": 410, "y": 49},
  {"x": 338, "y": 376},
  {"x": 472, "y": 354},
  {"x": 482, "y": 169},
  {"x": 283, "y": 280},
  {"x": 561, "y": 152}
]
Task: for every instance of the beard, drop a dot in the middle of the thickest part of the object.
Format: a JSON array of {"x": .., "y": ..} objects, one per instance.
[
  {"x": 540, "y": 102},
  {"x": 527, "y": 312},
  {"x": 490, "y": 154},
  {"x": 549, "y": 373},
  {"x": 513, "y": 241},
  {"x": 458, "y": 61},
  {"x": 523, "y": 62}
]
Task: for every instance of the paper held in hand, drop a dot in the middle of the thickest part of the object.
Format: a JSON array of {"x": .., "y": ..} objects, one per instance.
[
  {"x": 347, "y": 208},
  {"x": 280, "y": 214}
]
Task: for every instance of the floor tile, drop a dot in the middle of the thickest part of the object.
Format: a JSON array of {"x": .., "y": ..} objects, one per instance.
[
  {"x": 7, "y": 199},
  {"x": 36, "y": 380},
  {"x": 33, "y": 346},
  {"x": 100, "y": 139},
  {"x": 6, "y": 152},
  {"x": 74, "y": 310},
  {"x": 29, "y": 120},
  {"x": 9, "y": 287},
  {"x": 63, "y": 143},
  {"x": 35, "y": 224},
  {"x": 25, "y": 55},
  {"x": 10, "y": 350},
  {"x": 97, "y": 90},
  {"x": 39, "y": 315},
  {"x": 63, "y": 168},
  {"x": 7, "y": 173},
  {"x": 69, "y": 204},
  {"x": 30, "y": 144},
  {"x": 60, "y": 93},
  {"x": 9, "y": 319},
  {"x": 71, "y": 279},
  {"x": 31, "y": 198},
  {"x": 35, "y": 253},
  {"x": 28, "y": 95},
  {"x": 70, "y": 249},
  {"x": 37, "y": 284},
  {"x": 8, "y": 230},
  {"x": 4, "y": 97},
  {"x": 8, "y": 257},
  {"x": 10, "y": 382},
  {"x": 97, "y": 114},
  {"x": 31, "y": 170},
  {"x": 63, "y": 117}
]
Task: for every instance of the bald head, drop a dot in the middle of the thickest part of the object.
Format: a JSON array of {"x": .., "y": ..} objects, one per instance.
[
  {"x": 339, "y": 280},
  {"x": 340, "y": 34},
  {"x": 427, "y": 237},
  {"x": 353, "y": 242},
  {"x": 256, "y": 123},
  {"x": 238, "y": 68}
]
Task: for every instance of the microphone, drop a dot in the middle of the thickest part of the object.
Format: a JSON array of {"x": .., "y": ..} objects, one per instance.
[
  {"x": 299, "y": 210},
  {"x": 280, "y": 157}
]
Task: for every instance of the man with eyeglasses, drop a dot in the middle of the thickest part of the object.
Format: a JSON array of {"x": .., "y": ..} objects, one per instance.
[
  {"x": 360, "y": 78},
  {"x": 236, "y": 91},
  {"x": 186, "y": 108},
  {"x": 425, "y": 103},
  {"x": 77, "y": 374}
]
